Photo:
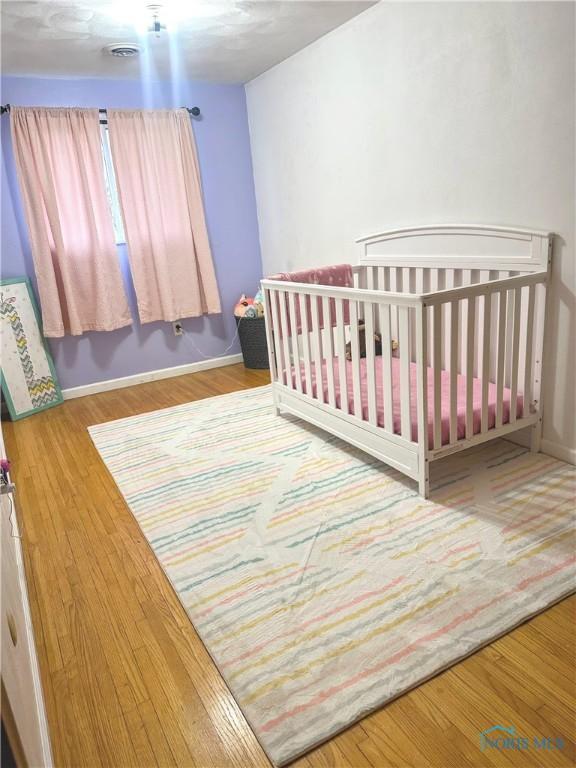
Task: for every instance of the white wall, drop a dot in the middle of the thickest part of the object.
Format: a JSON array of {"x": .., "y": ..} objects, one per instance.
[{"x": 427, "y": 113}]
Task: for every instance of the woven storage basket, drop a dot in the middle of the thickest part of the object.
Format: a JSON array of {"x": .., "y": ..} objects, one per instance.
[{"x": 252, "y": 335}]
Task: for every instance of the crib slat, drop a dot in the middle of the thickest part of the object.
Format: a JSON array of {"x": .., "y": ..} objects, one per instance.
[
  {"x": 328, "y": 351},
  {"x": 269, "y": 337},
  {"x": 370, "y": 362},
  {"x": 404, "y": 346},
  {"x": 370, "y": 277},
  {"x": 294, "y": 338},
  {"x": 464, "y": 326},
  {"x": 433, "y": 280},
  {"x": 317, "y": 348},
  {"x": 419, "y": 286},
  {"x": 341, "y": 349},
  {"x": 355, "y": 349},
  {"x": 406, "y": 279},
  {"x": 478, "y": 349},
  {"x": 385, "y": 330},
  {"x": 515, "y": 357},
  {"x": 485, "y": 360},
  {"x": 422, "y": 378},
  {"x": 280, "y": 366},
  {"x": 502, "y": 314},
  {"x": 527, "y": 395},
  {"x": 454, "y": 312},
  {"x": 509, "y": 332},
  {"x": 412, "y": 281},
  {"x": 539, "y": 327},
  {"x": 379, "y": 286},
  {"x": 437, "y": 363},
  {"x": 286, "y": 340},
  {"x": 445, "y": 341},
  {"x": 395, "y": 287},
  {"x": 306, "y": 344},
  {"x": 522, "y": 347},
  {"x": 471, "y": 320},
  {"x": 426, "y": 287},
  {"x": 411, "y": 324}
]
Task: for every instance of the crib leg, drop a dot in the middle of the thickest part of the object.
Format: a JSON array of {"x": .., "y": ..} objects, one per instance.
[
  {"x": 276, "y": 403},
  {"x": 536, "y": 436},
  {"x": 424, "y": 480}
]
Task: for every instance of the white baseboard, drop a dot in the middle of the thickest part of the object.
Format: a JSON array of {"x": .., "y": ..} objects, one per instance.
[
  {"x": 558, "y": 451},
  {"x": 549, "y": 447},
  {"x": 142, "y": 378}
]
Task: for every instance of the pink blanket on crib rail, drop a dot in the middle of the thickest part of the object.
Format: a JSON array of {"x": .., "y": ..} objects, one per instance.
[
  {"x": 445, "y": 398},
  {"x": 337, "y": 275}
]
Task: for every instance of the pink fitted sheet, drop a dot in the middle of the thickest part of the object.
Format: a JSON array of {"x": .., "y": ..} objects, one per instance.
[{"x": 445, "y": 397}]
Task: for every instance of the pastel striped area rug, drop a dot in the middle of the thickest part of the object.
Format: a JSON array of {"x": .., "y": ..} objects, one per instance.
[{"x": 319, "y": 581}]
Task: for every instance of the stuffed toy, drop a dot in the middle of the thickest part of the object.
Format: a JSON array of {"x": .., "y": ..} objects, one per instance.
[
  {"x": 251, "y": 312},
  {"x": 243, "y": 303},
  {"x": 362, "y": 343},
  {"x": 254, "y": 311}
]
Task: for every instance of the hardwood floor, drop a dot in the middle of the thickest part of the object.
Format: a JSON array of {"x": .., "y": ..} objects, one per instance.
[{"x": 126, "y": 680}]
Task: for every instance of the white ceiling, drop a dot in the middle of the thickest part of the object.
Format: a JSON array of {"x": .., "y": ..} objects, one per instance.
[{"x": 217, "y": 40}]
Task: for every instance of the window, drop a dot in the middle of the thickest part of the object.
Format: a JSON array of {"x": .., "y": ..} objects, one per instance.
[{"x": 111, "y": 188}]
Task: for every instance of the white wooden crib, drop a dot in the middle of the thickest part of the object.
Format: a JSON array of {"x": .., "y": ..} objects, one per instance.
[{"x": 467, "y": 306}]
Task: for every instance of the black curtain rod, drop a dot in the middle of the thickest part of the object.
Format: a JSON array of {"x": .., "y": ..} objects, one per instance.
[{"x": 195, "y": 111}]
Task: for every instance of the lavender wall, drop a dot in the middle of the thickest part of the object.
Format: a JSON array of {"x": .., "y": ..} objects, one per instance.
[{"x": 226, "y": 165}]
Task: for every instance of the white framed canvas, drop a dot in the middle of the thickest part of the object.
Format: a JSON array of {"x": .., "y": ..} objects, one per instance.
[{"x": 28, "y": 378}]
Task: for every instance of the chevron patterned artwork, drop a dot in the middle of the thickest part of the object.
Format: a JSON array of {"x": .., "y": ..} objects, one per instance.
[{"x": 29, "y": 381}]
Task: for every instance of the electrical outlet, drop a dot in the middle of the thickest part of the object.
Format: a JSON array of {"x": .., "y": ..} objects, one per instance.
[{"x": 177, "y": 326}]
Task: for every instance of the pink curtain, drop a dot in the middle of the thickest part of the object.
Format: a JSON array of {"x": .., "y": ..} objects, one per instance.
[
  {"x": 161, "y": 197},
  {"x": 59, "y": 163}
]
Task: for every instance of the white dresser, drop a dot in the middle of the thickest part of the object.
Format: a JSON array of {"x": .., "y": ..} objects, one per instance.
[{"x": 22, "y": 702}]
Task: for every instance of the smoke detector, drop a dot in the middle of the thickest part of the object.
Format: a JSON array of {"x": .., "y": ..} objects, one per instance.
[{"x": 122, "y": 50}]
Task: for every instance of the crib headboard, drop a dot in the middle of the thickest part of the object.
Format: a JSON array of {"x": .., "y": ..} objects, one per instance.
[{"x": 462, "y": 246}]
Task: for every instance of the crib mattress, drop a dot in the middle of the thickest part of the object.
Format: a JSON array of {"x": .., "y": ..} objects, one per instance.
[{"x": 445, "y": 397}]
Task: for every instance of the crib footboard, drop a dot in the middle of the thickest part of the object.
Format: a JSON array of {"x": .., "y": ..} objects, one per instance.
[{"x": 341, "y": 358}]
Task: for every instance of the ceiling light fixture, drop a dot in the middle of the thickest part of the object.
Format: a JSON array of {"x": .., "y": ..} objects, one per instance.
[{"x": 156, "y": 26}]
